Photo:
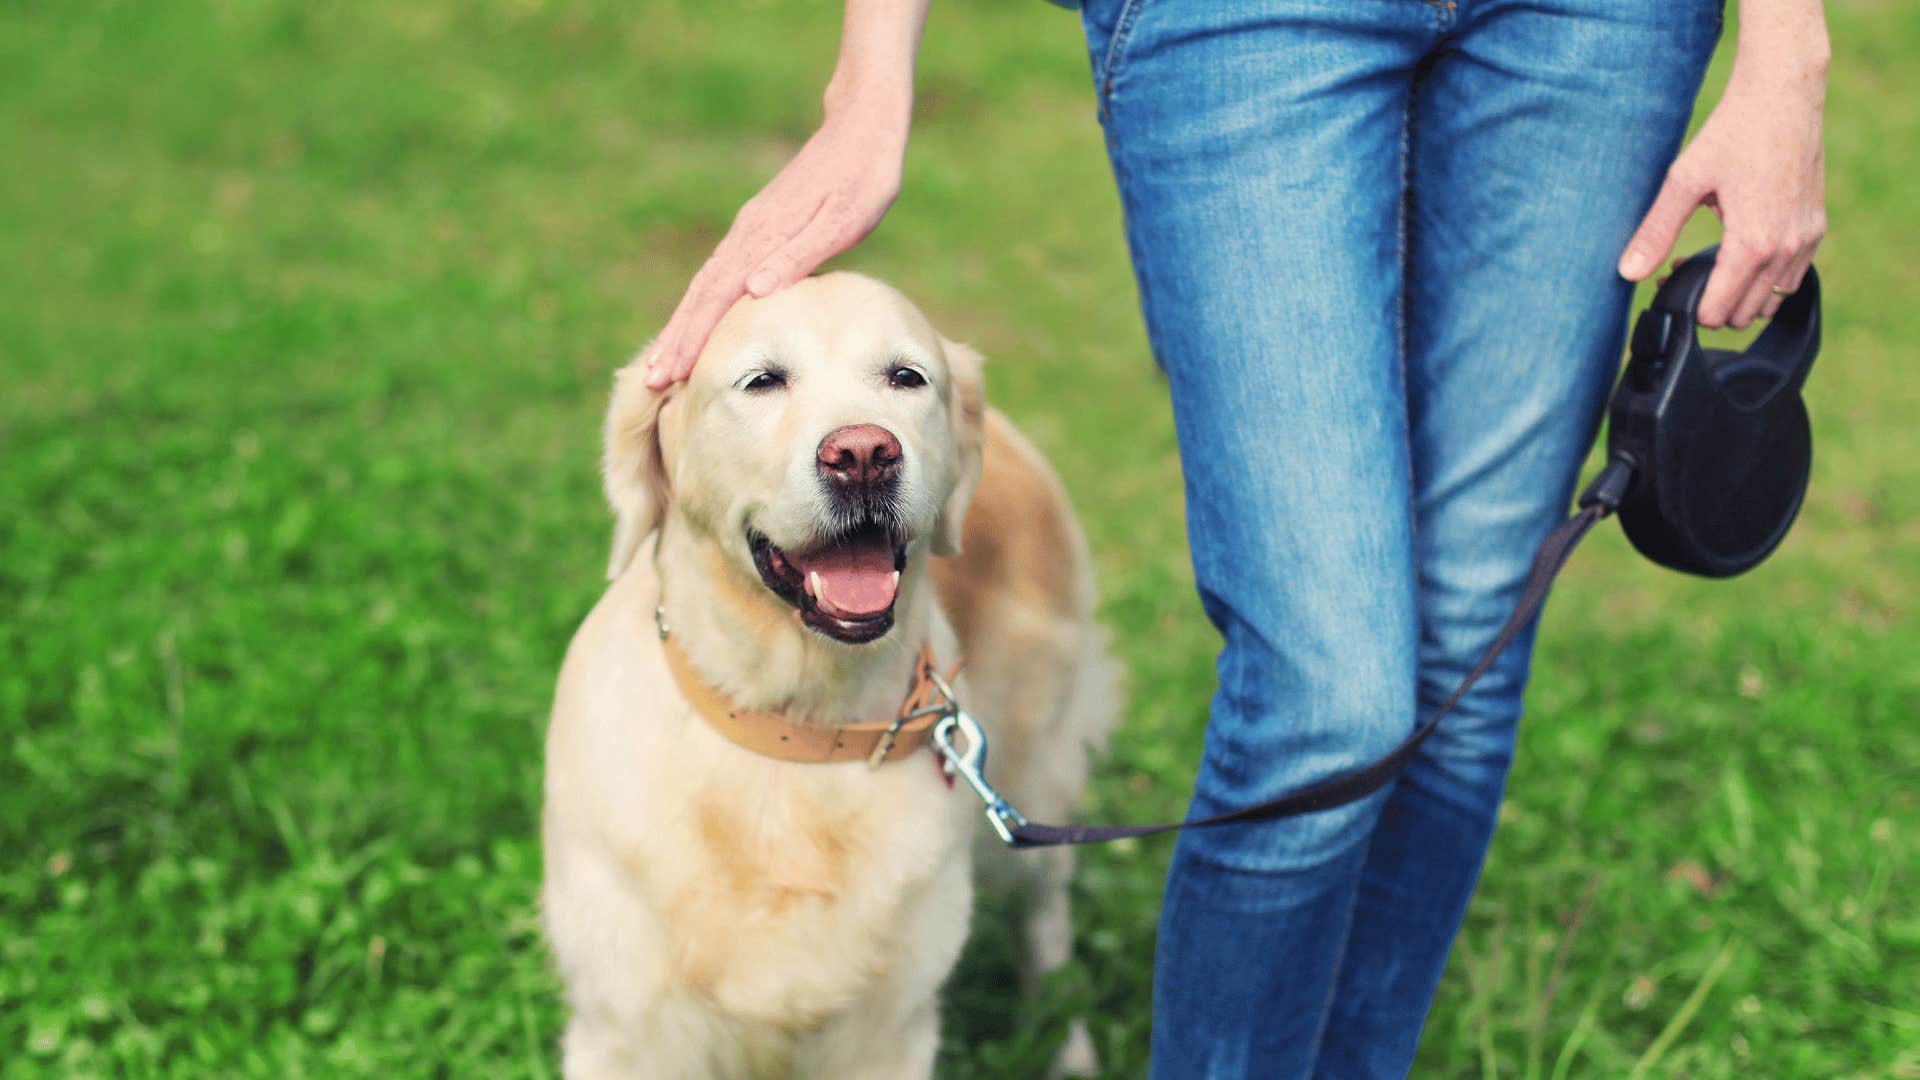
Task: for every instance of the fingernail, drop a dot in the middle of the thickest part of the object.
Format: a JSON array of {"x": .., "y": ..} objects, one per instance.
[
  {"x": 1633, "y": 265},
  {"x": 762, "y": 282}
]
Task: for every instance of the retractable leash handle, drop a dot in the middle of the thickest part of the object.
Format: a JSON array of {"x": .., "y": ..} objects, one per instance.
[
  {"x": 1718, "y": 440},
  {"x": 1707, "y": 463}
]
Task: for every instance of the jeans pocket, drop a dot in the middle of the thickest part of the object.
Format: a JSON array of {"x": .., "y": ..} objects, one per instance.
[{"x": 1109, "y": 26}]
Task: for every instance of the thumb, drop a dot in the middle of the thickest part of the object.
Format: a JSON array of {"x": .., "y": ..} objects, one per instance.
[{"x": 1676, "y": 202}]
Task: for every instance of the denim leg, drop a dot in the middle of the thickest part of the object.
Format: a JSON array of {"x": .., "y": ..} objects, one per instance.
[
  {"x": 1541, "y": 132},
  {"x": 1259, "y": 151}
]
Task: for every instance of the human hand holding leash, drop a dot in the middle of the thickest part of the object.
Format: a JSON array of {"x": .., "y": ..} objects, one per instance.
[
  {"x": 827, "y": 199},
  {"x": 1757, "y": 164}
]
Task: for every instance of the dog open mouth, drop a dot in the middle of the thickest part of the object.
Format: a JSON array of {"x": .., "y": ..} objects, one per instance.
[{"x": 843, "y": 588}]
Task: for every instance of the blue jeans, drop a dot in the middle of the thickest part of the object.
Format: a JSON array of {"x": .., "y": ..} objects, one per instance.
[{"x": 1375, "y": 245}]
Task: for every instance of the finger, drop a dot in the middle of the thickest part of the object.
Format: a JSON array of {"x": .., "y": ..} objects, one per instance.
[
  {"x": 656, "y": 369},
  {"x": 1796, "y": 271},
  {"x": 695, "y": 327},
  {"x": 821, "y": 239},
  {"x": 1651, "y": 242},
  {"x": 666, "y": 347},
  {"x": 1790, "y": 279},
  {"x": 1732, "y": 278},
  {"x": 709, "y": 295},
  {"x": 1757, "y": 294},
  {"x": 721, "y": 281}
]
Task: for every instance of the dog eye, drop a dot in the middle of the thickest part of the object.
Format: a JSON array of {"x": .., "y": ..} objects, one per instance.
[
  {"x": 902, "y": 377},
  {"x": 764, "y": 381}
]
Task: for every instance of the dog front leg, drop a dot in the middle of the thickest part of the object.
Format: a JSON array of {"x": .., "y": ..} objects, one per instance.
[{"x": 1049, "y": 934}]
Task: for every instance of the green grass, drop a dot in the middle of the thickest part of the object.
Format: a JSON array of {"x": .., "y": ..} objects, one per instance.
[{"x": 306, "y": 318}]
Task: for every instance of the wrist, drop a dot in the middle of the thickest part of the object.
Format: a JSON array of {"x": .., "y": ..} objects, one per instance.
[
  {"x": 1783, "y": 64},
  {"x": 1786, "y": 46},
  {"x": 870, "y": 97}
]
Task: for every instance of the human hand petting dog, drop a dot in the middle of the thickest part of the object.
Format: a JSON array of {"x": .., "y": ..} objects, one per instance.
[
  {"x": 1757, "y": 164},
  {"x": 827, "y": 199}
]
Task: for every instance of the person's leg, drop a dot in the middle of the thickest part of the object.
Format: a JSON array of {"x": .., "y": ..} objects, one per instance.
[
  {"x": 1259, "y": 152},
  {"x": 1541, "y": 132}
]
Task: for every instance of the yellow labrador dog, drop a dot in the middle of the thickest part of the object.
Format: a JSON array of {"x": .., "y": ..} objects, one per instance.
[{"x": 825, "y": 511}]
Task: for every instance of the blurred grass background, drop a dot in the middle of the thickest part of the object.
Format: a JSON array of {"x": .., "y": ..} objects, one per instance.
[{"x": 307, "y": 312}]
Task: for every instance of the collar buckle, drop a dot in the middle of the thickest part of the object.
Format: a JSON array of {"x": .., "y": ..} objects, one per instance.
[{"x": 926, "y": 676}]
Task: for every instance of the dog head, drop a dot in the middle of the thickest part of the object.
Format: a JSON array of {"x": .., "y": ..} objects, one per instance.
[{"x": 827, "y": 439}]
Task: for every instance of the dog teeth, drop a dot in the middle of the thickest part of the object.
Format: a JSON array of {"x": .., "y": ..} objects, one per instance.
[
  {"x": 813, "y": 584},
  {"x": 896, "y": 581}
]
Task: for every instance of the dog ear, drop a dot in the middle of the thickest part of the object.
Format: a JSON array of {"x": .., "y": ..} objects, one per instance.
[
  {"x": 967, "y": 413},
  {"x": 633, "y": 468}
]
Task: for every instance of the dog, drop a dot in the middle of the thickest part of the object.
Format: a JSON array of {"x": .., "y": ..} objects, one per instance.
[{"x": 821, "y": 519}]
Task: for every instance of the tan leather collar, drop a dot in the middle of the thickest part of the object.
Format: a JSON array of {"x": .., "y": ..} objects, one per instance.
[{"x": 773, "y": 734}]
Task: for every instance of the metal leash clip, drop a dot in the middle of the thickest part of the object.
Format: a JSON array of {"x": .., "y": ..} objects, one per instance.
[{"x": 970, "y": 764}]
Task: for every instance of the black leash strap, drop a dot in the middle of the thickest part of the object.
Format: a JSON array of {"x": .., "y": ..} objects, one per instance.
[{"x": 1599, "y": 500}]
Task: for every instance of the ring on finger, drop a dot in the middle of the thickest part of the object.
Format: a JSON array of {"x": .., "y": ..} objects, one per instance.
[{"x": 1778, "y": 291}]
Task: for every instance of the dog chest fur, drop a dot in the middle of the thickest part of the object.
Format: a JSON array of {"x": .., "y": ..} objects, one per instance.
[{"x": 771, "y": 894}]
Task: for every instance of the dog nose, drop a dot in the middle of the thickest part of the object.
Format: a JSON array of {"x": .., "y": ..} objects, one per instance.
[{"x": 860, "y": 454}]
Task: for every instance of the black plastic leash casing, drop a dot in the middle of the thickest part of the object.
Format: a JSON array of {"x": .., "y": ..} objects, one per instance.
[{"x": 1718, "y": 440}]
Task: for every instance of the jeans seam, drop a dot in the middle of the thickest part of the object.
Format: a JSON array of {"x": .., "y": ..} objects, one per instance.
[
  {"x": 1402, "y": 230},
  {"x": 1403, "y": 330},
  {"x": 1116, "y": 47}
]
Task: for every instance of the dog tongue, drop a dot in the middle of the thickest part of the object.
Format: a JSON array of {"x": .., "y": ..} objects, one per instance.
[{"x": 854, "y": 579}]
